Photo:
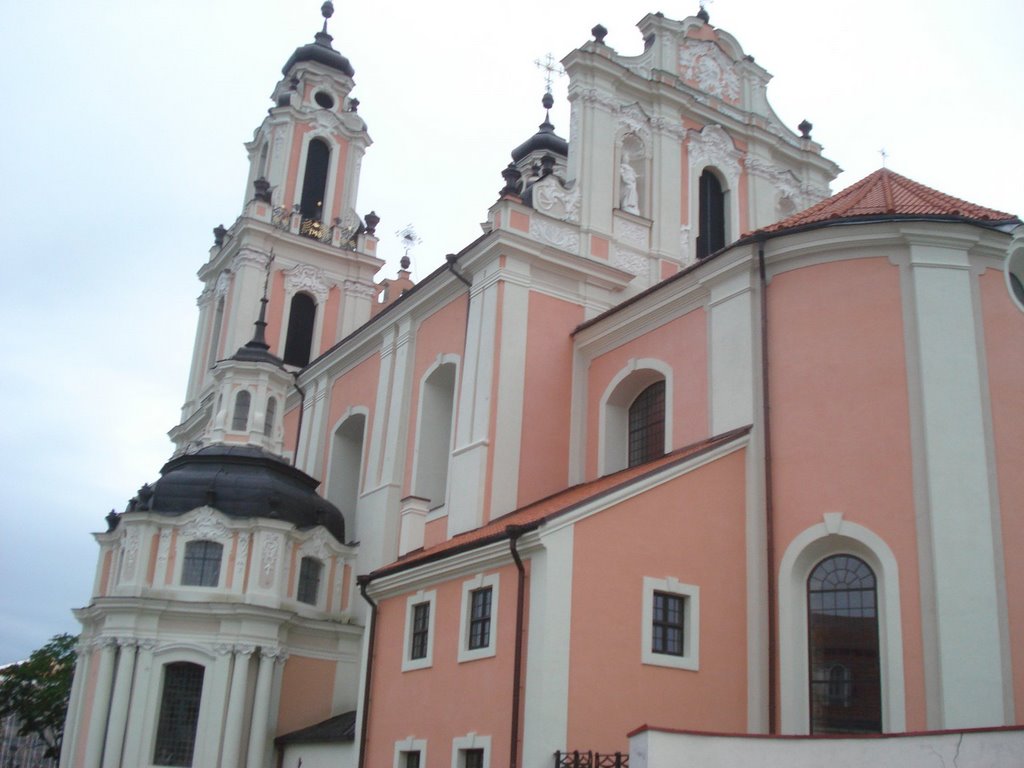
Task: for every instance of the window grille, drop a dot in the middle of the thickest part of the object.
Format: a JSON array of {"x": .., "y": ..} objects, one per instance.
[
  {"x": 179, "y": 714},
  {"x": 309, "y": 581},
  {"x": 647, "y": 425},
  {"x": 202, "y": 564},
  {"x": 667, "y": 631},
  {"x": 473, "y": 758},
  {"x": 420, "y": 631},
  {"x": 480, "y": 618}
]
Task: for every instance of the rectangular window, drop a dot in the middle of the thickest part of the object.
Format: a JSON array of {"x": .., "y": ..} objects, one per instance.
[
  {"x": 668, "y": 624},
  {"x": 411, "y": 759},
  {"x": 179, "y": 714},
  {"x": 309, "y": 581},
  {"x": 670, "y": 628},
  {"x": 473, "y": 758},
  {"x": 480, "y": 618},
  {"x": 420, "y": 632},
  {"x": 202, "y": 564}
]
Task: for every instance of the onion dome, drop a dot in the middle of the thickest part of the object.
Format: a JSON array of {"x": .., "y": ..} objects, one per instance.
[
  {"x": 320, "y": 49},
  {"x": 544, "y": 140},
  {"x": 241, "y": 481}
]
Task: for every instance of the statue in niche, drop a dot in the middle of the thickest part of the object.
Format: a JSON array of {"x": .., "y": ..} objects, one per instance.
[{"x": 629, "y": 198}]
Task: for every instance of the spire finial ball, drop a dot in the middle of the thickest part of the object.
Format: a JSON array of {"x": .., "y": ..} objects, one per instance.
[
  {"x": 599, "y": 32},
  {"x": 548, "y": 101},
  {"x": 327, "y": 9}
]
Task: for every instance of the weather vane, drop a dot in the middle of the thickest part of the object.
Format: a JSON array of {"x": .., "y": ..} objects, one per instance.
[
  {"x": 884, "y": 154},
  {"x": 551, "y": 69}
]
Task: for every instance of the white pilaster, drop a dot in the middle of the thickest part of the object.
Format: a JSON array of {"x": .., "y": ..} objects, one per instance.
[
  {"x": 100, "y": 703},
  {"x": 118, "y": 720},
  {"x": 260, "y": 729},
  {"x": 233, "y": 726},
  {"x": 731, "y": 330}
]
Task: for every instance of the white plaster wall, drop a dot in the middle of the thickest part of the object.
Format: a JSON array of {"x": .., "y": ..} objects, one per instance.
[{"x": 977, "y": 749}]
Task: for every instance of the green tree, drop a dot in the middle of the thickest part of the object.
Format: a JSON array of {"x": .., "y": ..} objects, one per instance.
[{"x": 36, "y": 691}]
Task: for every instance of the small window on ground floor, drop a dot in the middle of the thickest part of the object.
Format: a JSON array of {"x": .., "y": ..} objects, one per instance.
[{"x": 670, "y": 634}]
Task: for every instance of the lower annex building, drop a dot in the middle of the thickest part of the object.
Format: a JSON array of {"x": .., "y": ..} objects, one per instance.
[{"x": 679, "y": 440}]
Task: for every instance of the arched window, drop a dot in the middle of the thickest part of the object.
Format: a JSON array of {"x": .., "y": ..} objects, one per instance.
[
  {"x": 647, "y": 424},
  {"x": 240, "y": 418},
  {"x": 434, "y": 440},
  {"x": 711, "y": 223},
  {"x": 261, "y": 169},
  {"x": 218, "y": 320},
  {"x": 346, "y": 470},
  {"x": 179, "y": 714},
  {"x": 314, "y": 183},
  {"x": 269, "y": 417},
  {"x": 301, "y": 319},
  {"x": 201, "y": 567},
  {"x": 309, "y": 580},
  {"x": 842, "y": 624}
]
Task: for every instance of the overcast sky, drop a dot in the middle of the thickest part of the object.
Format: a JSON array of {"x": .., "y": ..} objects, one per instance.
[{"x": 122, "y": 149}]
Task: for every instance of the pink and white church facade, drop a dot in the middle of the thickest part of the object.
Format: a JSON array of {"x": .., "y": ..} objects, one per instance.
[{"x": 679, "y": 443}]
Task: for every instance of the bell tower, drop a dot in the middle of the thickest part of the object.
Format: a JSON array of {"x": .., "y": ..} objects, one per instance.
[{"x": 298, "y": 235}]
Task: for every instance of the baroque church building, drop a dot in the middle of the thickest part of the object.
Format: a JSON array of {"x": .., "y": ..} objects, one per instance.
[{"x": 679, "y": 444}]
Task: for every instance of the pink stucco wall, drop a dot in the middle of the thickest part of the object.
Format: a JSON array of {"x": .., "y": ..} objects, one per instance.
[
  {"x": 307, "y": 688},
  {"x": 700, "y": 519},
  {"x": 840, "y": 421}
]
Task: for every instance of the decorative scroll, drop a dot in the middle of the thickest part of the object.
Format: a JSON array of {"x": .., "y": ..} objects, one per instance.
[
  {"x": 268, "y": 561},
  {"x": 305, "y": 277},
  {"x": 558, "y": 235},
  {"x": 206, "y": 525},
  {"x": 553, "y": 199},
  {"x": 629, "y": 261},
  {"x": 704, "y": 64}
]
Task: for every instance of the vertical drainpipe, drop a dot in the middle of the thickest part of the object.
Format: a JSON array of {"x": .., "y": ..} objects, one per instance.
[
  {"x": 515, "y": 531},
  {"x": 363, "y": 582},
  {"x": 298, "y": 428},
  {"x": 773, "y": 650}
]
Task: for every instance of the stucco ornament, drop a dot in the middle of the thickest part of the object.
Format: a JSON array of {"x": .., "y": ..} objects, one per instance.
[
  {"x": 131, "y": 553},
  {"x": 206, "y": 525},
  {"x": 553, "y": 199},
  {"x": 684, "y": 246},
  {"x": 558, "y": 235},
  {"x": 241, "y": 558},
  {"x": 361, "y": 290},
  {"x": 704, "y": 64},
  {"x": 631, "y": 233},
  {"x": 250, "y": 257},
  {"x": 712, "y": 146},
  {"x": 220, "y": 288},
  {"x": 316, "y": 546},
  {"x": 783, "y": 180},
  {"x": 305, "y": 277},
  {"x": 632, "y": 119},
  {"x": 268, "y": 561},
  {"x": 629, "y": 261}
]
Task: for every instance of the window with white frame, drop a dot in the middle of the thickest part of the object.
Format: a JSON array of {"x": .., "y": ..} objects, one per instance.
[
  {"x": 670, "y": 634},
  {"x": 636, "y": 415},
  {"x": 418, "y": 643},
  {"x": 410, "y": 753},
  {"x": 479, "y": 617},
  {"x": 179, "y": 714},
  {"x": 240, "y": 417},
  {"x": 471, "y": 751},
  {"x": 201, "y": 567}
]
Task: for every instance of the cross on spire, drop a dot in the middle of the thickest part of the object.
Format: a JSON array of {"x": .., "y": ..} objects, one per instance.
[
  {"x": 551, "y": 69},
  {"x": 884, "y": 154}
]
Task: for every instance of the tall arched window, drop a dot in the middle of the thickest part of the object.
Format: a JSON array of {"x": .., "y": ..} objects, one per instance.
[
  {"x": 314, "y": 183},
  {"x": 301, "y": 319},
  {"x": 711, "y": 224},
  {"x": 647, "y": 424},
  {"x": 179, "y": 714},
  {"x": 346, "y": 470},
  {"x": 842, "y": 627},
  {"x": 240, "y": 417},
  {"x": 434, "y": 441},
  {"x": 269, "y": 417}
]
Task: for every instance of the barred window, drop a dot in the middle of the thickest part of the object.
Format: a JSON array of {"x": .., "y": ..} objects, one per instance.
[
  {"x": 309, "y": 580},
  {"x": 668, "y": 627},
  {"x": 480, "y": 618},
  {"x": 647, "y": 424},
  {"x": 179, "y": 714},
  {"x": 420, "y": 631},
  {"x": 473, "y": 758},
  {"x": 202, "y": 564}
]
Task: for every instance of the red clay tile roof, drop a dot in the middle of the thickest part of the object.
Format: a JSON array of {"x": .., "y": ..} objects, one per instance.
[
  {"x": 533, "y": 515},
  {"x": 885, "y": 193}
]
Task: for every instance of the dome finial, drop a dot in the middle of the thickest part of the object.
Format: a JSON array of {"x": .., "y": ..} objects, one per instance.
[
  {"x": 327, "y": 9},
  {"x": 702, "y": 14}
]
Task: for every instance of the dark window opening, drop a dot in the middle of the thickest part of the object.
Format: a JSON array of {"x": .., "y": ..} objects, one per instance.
[
  {"x": 842, "y": 628},
  {"x": 314, "y": 183},
  {"x": 324, "y": 99},
  {"x": 411, "y": 759},
  {"x": 420, "y": 631},
  {"x": 647, "y": 425},
  {"x": 473, "y": 758},
  {"x": 309, "y": 580},
  {"x": 711, "y": 223},
  {"x": 668, "y": 624},
  {"x": 301, "y": 318},
  {"x": 179, "y": 714},
  {"x": 240, "y": 418},
  {"x": 202, "y": 564},
  {"x": 480, "y": 618},
  {"x": 269, "y": 417}
]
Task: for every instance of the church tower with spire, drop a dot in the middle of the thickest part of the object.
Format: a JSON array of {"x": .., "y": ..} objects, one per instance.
[{"x": 298, "y": 240}]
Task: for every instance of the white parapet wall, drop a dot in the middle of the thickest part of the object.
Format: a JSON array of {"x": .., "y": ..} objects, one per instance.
[{"x": 975, "y": 748}]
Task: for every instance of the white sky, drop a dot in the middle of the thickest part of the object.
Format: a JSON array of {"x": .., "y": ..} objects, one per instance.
[{"x": 122, "y": 148}]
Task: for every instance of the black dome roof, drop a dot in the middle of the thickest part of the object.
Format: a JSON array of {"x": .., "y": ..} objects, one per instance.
[
  {"x": 545, "y": 139},
  {"x": 242, "y": 481},
  {"x": 322, "y": 52}
]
